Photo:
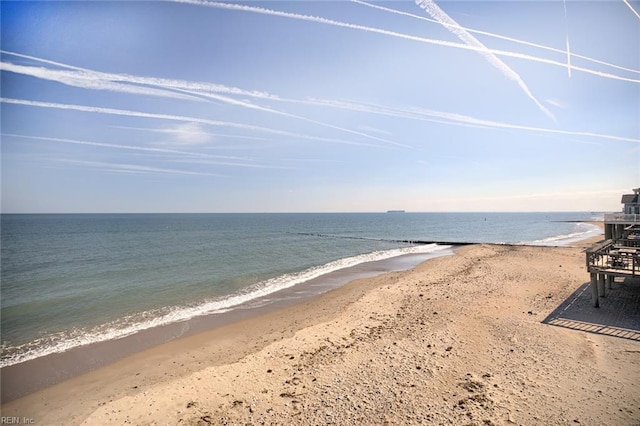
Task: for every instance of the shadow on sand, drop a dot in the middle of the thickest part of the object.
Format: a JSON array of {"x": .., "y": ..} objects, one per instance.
[{"x": 618, "y": 314}]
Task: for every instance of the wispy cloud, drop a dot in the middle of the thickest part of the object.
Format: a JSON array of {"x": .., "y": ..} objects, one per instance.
[
  {"x": 408, "y": 113},
  {"x": 325, "y": 21},
  {"x": 90, "y": 79},
  {"x": 176, "y": 156},
  {"x": 233, "y": 164},
  {"x": 436, "y": 160},
  {"x": 188, "y": 134},
  {"x": 441, "y": 16},
  {"x": 130, "y": 113},
  {"x": 542, "y": 201},
  {"x": 211, "y": 134},
  {"x": 250, "y": 105},
  {"x": 126, "y": 147},
  {"x": 134, "y": 168},
  {"x": 455, "y": 119},
  {"x": 201, "y": 88},
  {"x": 553, "y": 195}
]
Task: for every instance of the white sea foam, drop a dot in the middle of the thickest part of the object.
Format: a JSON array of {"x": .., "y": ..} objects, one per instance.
[
  {"x": 583, "y": 231},
  {"x": 61, "y": 342}
]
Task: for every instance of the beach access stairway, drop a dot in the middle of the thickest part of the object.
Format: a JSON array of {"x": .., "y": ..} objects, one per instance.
[{"x": 609, "y": 259}]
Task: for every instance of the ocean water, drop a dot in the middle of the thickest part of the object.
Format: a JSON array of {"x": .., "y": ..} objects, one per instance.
[{"x": 71, "y": 280}]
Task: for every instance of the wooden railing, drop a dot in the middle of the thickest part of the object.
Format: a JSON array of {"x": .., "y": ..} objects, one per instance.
[
  {"x": 613, "y": 258},
  {"x": 629, "y": 242},
  {"x": 621, "y": 218}
]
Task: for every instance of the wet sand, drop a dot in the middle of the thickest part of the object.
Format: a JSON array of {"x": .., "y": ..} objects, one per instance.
[
  {"x": 456, "y": 340},
  {"x": 27, "y": 377}
]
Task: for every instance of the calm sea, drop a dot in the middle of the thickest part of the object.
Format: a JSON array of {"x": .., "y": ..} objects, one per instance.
[{"x": 70, "y": 280}]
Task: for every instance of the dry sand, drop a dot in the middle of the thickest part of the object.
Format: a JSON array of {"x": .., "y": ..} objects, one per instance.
[{"x": 457, "y": 340}]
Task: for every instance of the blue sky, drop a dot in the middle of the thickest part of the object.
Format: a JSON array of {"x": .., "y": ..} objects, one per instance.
[{"x": 197, "y": 106}]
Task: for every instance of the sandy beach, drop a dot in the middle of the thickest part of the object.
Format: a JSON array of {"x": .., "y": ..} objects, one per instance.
[{"x": 457, "y": 340}]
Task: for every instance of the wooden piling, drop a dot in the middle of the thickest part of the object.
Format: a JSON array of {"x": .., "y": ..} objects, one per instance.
[
  {"x": 601, "y": 279},
  {"x": 594, "y": 290}
]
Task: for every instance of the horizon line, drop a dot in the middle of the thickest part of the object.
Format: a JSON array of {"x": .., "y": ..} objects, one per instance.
[{"x": 309, "y": 212}]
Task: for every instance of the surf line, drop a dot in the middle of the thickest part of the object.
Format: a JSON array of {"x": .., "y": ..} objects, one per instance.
[
  {"x": 425, "y": 242},
  {"x": 389, "y": 240}
]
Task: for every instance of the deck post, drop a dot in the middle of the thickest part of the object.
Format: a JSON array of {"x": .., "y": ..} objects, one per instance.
[
  {"x": 601, "y": 279},
  {"x": 608, "y": 231},
  {"x": 609, "y": 281},
  {"x": 594, "y": 290}
]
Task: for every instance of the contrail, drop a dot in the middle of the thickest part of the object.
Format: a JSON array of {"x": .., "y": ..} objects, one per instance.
[
  {"x": 85, "y": 80},
  {"x": 434, "y": 116},
  {"x": 441, "y": 16},
  {"x": 295, "y": 116},
  {"x": 125, "y": 147},
  {"x": 135, "y": 168},
  {"x": 455, "y": 119},
  {"x": 211, "y": 159},
  {"x": 564, "y": 3},
  {"x": 129, "y": 113},
  {"x": 224, "y": 135},
  {"x": 451, "y": 118},
  {"x": 325, "y": 21},
  {"x": 498, "y": 36},
  {"x": 632, "y": 9},
  {"x": 229, "y": 164},
  {"x": 90, "y": 79},
  {"x": 423, "y": 115},
  {"x": 150, "y": 80}
]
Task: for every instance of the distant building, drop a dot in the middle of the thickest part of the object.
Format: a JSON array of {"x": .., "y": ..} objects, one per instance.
[
  {"x": 618, "y": 256},
  {"x": 631, "y": 203},
  {"x": 616, "y": 223}
]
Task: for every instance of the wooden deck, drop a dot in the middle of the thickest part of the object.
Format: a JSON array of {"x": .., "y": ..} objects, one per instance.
[
  {"x": 614, "y": 258},
  {"x": 610, "y": 259}
]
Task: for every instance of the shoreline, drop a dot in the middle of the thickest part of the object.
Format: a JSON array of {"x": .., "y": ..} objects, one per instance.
[
  {"x": 226, "y": 343},
  {"x": 26, "y": 346},
  {"x": 23, "y": 378},
  {"x": 142, "y": 336},
  {"x": 282, "y": 363}
]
